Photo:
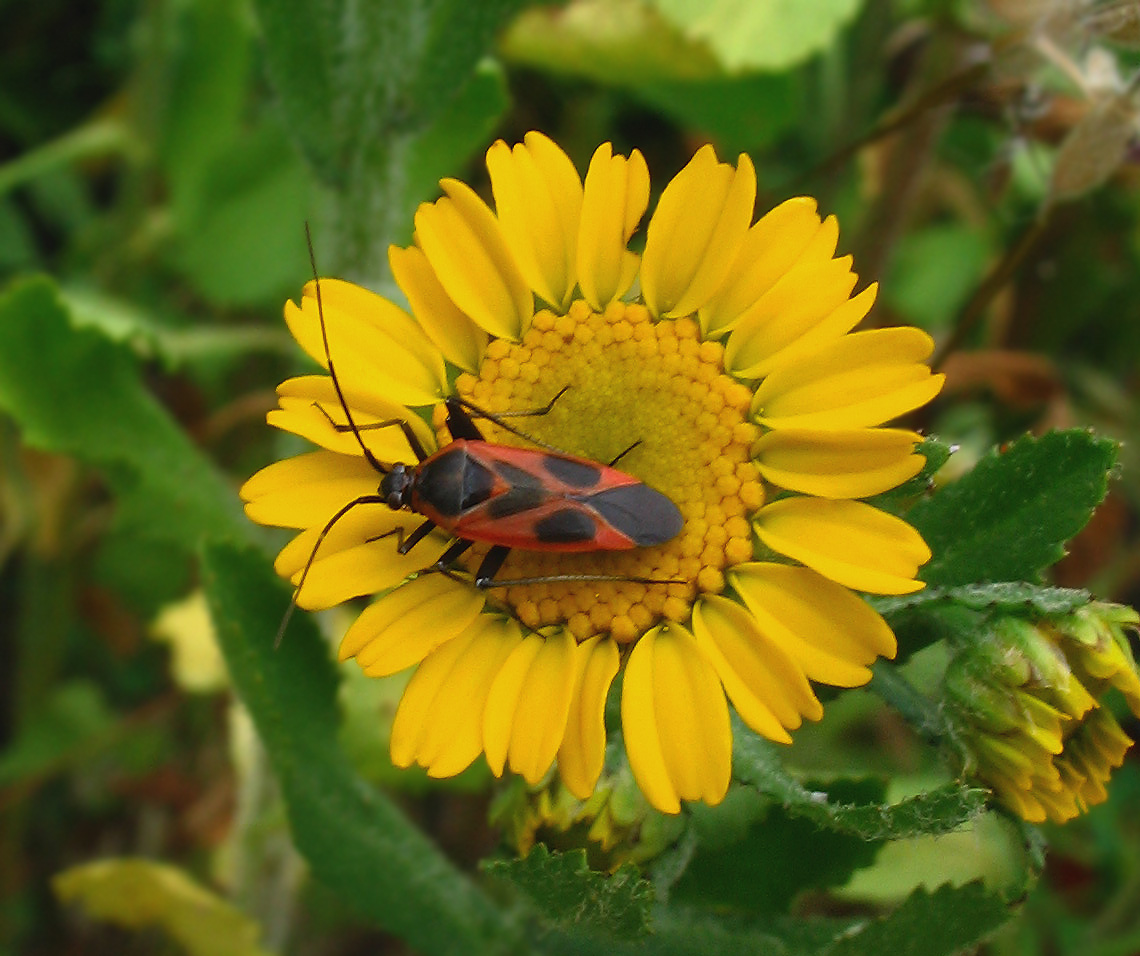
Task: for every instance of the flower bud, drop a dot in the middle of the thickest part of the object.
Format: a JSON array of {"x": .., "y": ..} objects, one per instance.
[{"x": 1027, "y": 706}]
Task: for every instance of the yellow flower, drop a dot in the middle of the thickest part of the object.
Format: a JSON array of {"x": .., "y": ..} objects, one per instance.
[
  {"x": 753, "y": 406},
  {"x": 1027, "y": 707}
]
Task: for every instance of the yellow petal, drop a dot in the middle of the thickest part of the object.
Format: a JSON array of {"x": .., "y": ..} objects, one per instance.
[
  {"x": 310, "y": 406},
  {"x": 847, "y": 541},
  {"x": 369, "y": 568},
  {"x": 503, "y": 702},
  {"x": 838, "y": 463},
  {"x": 830, "y": 633},
  {"x": 615, "y": 197},
  {"x": 458, "y": 339},
  {"x": 793, "y": 308},
  {"x": 770, "y": 249},
  {"x": 308, "y": 489},
  {"x": 538, "y": 198},
  {"x": 675, "y": 721},
  {"x": 539, "y": 723},
  {"x": 696, "y": 232},
  {"x": 692, "y": 716},
  {"x": 450, "y": 736},
  {"x": 583, "y": 750},
  {"x": 764, "y": 684},
  {"x": 755, "y": 356},
  {"x": 416, "y": 710},
  {"x": 403, "y": 627},
  {"x": 466, "y": 249},
  {"x": 370, "y": 340},
  {"x": 861, "y": 379}
]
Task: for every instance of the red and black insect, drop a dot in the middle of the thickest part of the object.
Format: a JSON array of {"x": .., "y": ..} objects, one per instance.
[{"x": 533, "y": 499}]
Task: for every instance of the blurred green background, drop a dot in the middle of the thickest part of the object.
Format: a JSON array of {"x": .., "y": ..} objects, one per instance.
[{"x": 158, "y": 161}]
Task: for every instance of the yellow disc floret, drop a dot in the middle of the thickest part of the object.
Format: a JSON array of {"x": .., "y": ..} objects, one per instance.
[{"x": 629, "y": 381}]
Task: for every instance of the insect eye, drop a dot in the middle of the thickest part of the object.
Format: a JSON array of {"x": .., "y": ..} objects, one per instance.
[{"x": 393, "y": 485}]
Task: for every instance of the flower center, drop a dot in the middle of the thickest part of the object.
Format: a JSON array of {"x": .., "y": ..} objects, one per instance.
[{"x": 630, "y": 380}]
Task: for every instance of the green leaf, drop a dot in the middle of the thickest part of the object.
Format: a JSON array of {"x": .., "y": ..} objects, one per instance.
[
  {"x": 569, "y": 894},
  {"x": 355, "y": 840},
  {"x": 939, "y": 811},
  {"x": 927, "y": 924},
  {"x": 777, "y": 856},
  {"x": 360, "y": 85},
  {"x": 1002, "y": 595},
  {"x": 1007, "y": 520},
  {"x": 72, "y": 722},
  {"x": 137, "y": 894},
  {"x": 72, "y": 391},
  {"x": 612, "y": 42},
  {"x": 764, "y": 35}
]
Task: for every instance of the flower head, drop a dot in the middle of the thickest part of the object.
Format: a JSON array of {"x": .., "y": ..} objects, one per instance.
[
  {"x": 719, "y": 365},
  {"x": 1028, "y": 707}
]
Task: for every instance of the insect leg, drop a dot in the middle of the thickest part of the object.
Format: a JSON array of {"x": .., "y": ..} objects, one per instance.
[
  {"x": 413, "y": 441},
  {"x": 555, "y": 578},
  {"x": 489, "y": 566},
  {"x": 621, "y": 454},
  {"x": 406, "y": 544}
]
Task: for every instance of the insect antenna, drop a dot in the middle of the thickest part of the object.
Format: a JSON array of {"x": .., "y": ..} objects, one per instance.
[
  {"x": 362, "y": 500},
  {"x": 372, "y": 460}
]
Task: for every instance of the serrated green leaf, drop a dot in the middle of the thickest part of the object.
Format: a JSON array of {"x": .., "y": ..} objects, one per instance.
[
  {"x": 568, "y": 893},
  {"x": 757, "y": 762},
  {"x": 1005, "y": 595},
  {"x": 900, "y": 499},
  {"x": 927, "y": 924},
  {"x": 1008, "y": 519},
  {"x": 356, "y": 841},
  {"x": 763, "y": 35},
  {"x": 72, "y": 391}
]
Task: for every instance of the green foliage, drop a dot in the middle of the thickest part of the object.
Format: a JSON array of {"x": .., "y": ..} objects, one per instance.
[
  {"x": 765, "y": 36},
  {"x": 160, "y": 162},
  {"x": 568, "y": 894},
  {"x": 74, "y": 392},
  {"x": 758, "y": 857},
  {"x": 369, "y": 89},
  {"x": 1008, "y": 519},
  {"x": 355, "y": 840},
  {"x": 938, "y": 811},
  {"x": 963, "y": 915}
]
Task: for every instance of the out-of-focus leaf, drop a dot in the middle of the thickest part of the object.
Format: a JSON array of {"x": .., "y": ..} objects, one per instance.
[
  {"x": 246, "y": 246},
  {"x": 934, "y": 272},
  {"x": 141, "y": 893},
  {"x": 614, "y": 42},
  {"x": 355, "y": 840},
  {"x": 761, "y": 34},
  {"x": 946, "y": 921},
  {"x": 777, "y": 856},
  {"x": 195, "y": 658},
  {"x": 568, "y": 893},
  {"x": 75, "y": 715},
  {"x": 740, "y": 112},
  {"x": 209, "y": 68},
  {"x": 360, "y": 84},
  {"x": 72, "y": 391},
  {"x": 1095, "y": 148},
  {"x": 1008, "y": 519}
]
